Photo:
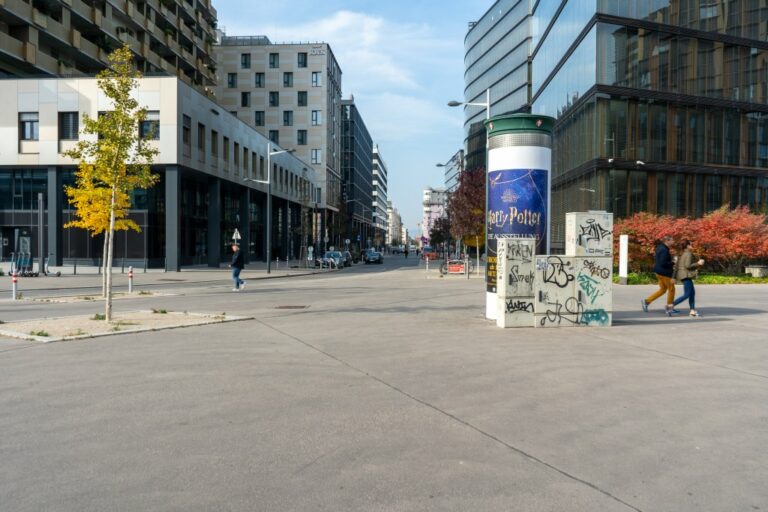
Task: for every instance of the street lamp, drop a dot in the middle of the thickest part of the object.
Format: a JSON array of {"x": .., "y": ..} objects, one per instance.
[
  {"x": 487, "y": 107},
  {"x": 268, "y": 182}
]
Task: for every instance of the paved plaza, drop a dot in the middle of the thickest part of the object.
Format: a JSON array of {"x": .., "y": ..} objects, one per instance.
[{"x": 383, "y": 388}]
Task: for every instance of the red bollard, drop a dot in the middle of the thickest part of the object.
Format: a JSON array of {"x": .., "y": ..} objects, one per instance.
[
  {"x": 14, "y": 281},
  {"x": 130, "y": 279}
]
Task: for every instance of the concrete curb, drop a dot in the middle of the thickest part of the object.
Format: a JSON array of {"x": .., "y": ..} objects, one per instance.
[{"x": 214, "y": 319}]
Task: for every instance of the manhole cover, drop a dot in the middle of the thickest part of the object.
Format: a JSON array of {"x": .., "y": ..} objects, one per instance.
[
  {"x": 291, "y": 307},
  {"x": 169, "y": 279}
]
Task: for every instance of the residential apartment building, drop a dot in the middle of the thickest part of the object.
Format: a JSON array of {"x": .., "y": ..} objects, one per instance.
[
  {"x": 395, "y": 226},
  {"x": 434, "y": 203},
  {"x": 660, "y": 106},
  {"x": 379, "y": 203},
  {"x": 73, "y": 37},
  {"x": 188, "y": 218},
  {"x": 357, "y": 175},
  {"x": 496, "y": 50},
  {"x": 453, "y": 169},
  {"x": 290, "y": 93}
]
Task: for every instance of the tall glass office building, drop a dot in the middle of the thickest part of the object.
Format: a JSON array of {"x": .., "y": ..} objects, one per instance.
[
  {"x": 661, "y": 105},
  {"x": 496, "y": 57}
]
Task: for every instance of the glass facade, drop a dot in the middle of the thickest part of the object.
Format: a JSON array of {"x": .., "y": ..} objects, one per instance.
[
  {"x": 652, "y": 117},
  {"x": 496, "y": 58}
]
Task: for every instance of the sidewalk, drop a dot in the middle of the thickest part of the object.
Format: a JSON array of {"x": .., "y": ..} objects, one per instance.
[{"x": 89, "y": 277}]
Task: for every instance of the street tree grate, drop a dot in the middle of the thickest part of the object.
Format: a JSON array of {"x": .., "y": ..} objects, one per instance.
[{"x": 291, "y": 307}]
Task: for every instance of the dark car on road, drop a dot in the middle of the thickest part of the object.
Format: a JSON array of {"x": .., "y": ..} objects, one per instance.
[
  {"x": 373, "y": 257},
  {"x": 348, "y": 259}
]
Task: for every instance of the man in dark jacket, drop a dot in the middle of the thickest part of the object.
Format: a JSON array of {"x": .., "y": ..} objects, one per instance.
[
  {"x": 664, "y": 268},
  {"x": 237, "y": 266}
]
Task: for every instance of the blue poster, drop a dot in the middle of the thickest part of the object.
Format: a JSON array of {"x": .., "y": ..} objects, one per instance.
[{"x": 517, "y": 208}]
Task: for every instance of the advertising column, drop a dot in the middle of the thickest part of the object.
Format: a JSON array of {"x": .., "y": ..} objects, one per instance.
[{"x": 518, "y": 185}]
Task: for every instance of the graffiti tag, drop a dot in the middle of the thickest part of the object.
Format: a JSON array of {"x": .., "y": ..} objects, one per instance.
[
  {"x": 591, "y": 287},
  {"x": 597, "y": 270},
  {"x": 513, "y": 306},
  {"x": 556, "y": 272}
]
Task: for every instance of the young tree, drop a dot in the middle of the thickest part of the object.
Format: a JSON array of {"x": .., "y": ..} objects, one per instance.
[
  {"x": 112, "y": 162},
  {"x": 440, "y": 232},
  {"x": 466, "y": 208}
]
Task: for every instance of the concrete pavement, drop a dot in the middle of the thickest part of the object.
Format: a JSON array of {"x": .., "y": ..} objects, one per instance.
[{"x": 389, "y": 391}]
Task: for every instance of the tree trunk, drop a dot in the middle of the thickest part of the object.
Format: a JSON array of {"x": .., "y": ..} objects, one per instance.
[
  {"x": 104, "y": 266},
  {"x": 108, "y": 273}
]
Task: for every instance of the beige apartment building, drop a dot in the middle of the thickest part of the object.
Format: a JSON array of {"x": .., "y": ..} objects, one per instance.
[
  {"x": 291, "y": 93},
  {"x": 72, "y": 38}
]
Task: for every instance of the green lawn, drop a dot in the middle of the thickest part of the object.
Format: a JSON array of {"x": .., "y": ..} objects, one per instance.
[{"x": 704, "y": 278}]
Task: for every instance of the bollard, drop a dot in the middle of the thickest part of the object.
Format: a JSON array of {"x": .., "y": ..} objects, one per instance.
[
  {"x": 426, "y": 262},
  {"x": 75, "y": 268},
  {"x": 145, "y": 265},
  {"x": 466, "y": 266},
  {"x": 130, "y": 279},
  {"x": 122, "y": 269},
  {"x": 14, "y": 280}
]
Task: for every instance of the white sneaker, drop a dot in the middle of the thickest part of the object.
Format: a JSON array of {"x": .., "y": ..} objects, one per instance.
[
  {"x": 242, "y": 284},
  {"x": 235, "y": 289}
]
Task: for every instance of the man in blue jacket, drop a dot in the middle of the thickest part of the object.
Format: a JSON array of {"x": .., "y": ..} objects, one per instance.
[{"x": 664, "y": 268}]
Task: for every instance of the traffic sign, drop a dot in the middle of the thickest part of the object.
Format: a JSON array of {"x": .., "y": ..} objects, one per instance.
[{"x": 236, "y": 235}]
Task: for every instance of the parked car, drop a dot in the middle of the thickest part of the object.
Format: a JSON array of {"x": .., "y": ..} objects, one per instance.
[
  {"x": 373, "y": 257},
  {"x": 428, "y": 253},
  {"x": 348, "y": 259},
  {"x": 333, "y": 259},
  {"x": 397, "y": 249}
]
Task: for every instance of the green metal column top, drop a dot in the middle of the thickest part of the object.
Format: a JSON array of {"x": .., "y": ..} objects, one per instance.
[{"x": 519, "y": 123}]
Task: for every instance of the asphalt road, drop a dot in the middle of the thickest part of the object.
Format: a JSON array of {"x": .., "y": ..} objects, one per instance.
[{"x": 383, "y": 389}]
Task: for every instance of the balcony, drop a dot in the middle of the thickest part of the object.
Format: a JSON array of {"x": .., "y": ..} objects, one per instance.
[
  {"x": 10, "y": 45},
  {"x": 39, "y": 18}
]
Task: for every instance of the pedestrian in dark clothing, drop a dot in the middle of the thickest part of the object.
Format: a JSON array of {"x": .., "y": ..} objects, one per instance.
[
  {"x": 237, "y": 266},
  {"x": 406, "y": 252},
  {"x": 686, "y": 270},
  {"x": 664, "y": 268}
]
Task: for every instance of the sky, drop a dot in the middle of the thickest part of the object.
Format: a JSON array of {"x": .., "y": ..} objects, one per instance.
[{"x": 402, "y": 61}]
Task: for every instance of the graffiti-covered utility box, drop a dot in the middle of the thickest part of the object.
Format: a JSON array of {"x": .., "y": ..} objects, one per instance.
[
  {"x": 573, "y": 291},
  {"x": 588, "y": 234},
  {"x": 514, "y": 282}
]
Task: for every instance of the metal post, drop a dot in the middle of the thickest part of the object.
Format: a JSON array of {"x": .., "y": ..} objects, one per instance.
[
  {"x": 40, "y": 242},
  {"x": 130, "y": 279},
  {"x": 269, "y": 208},
  {"x": 145, "y": 265},
  {"x": 466, "y": 265},
  {"x": 14, "y": 279},
  {"x": 75, "y": 268}
]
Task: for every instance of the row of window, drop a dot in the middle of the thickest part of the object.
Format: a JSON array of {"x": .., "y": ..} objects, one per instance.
[
  {"x": 259, "y": 118},
  {"x": 259, "y": 79},
  {"x": 274, "y": 60},
  {"x": 69, "y": 125}
]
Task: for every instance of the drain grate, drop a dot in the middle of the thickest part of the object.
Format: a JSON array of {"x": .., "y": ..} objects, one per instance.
[
  {"x": 291, "y": 307},
  {"x": 171, "y": 280}
]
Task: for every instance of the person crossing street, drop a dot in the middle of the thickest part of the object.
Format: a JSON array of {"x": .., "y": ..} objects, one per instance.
[{"x": 237, "y": 267}]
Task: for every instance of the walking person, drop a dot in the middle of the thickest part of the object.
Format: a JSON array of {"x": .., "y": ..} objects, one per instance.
[
  {"x": 686, "y": 270},
  {"x": 406, "y": 252},
  {"x": 237, "y": 266},
  {"x": 664, "y": 268}
]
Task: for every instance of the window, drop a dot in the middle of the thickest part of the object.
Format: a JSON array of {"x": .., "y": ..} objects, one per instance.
[
  {"x": 317, "y": 118},
  {"x": 274, "y": 60},
  {"x": 149, "y": 128},
  {"x": 317, "y": 156},
  {"x": 317, "y": 79},
  {"x": 186, "y": 130},
  {"x": 288, "y": 118},
  {"x": 231, "y": 80},
  {"x": 287, "y": 79},
  {"x": 200, "y": 139},
  {"x": 245, "y": 99},
  {"x": 302, "y": 98},
  {"x": 274, "y": 136},
  {"x": 245, "y": 60},
  {"x": 302, "y": 59},
  {"x": 237, "y": 157},
  {"x": 68, "y": 125},
  {"x": 245, "y": 160},
  {"x": 258, "y": 118},
  {"x": 215, "y": 143},
  {"x": 29, "y": 125},
  {"x": 258, "y": 80},
  {"x": 301, "y": 137},
  {"x": 274, "y": 99},
  {"x": 226, "y": 150}
]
